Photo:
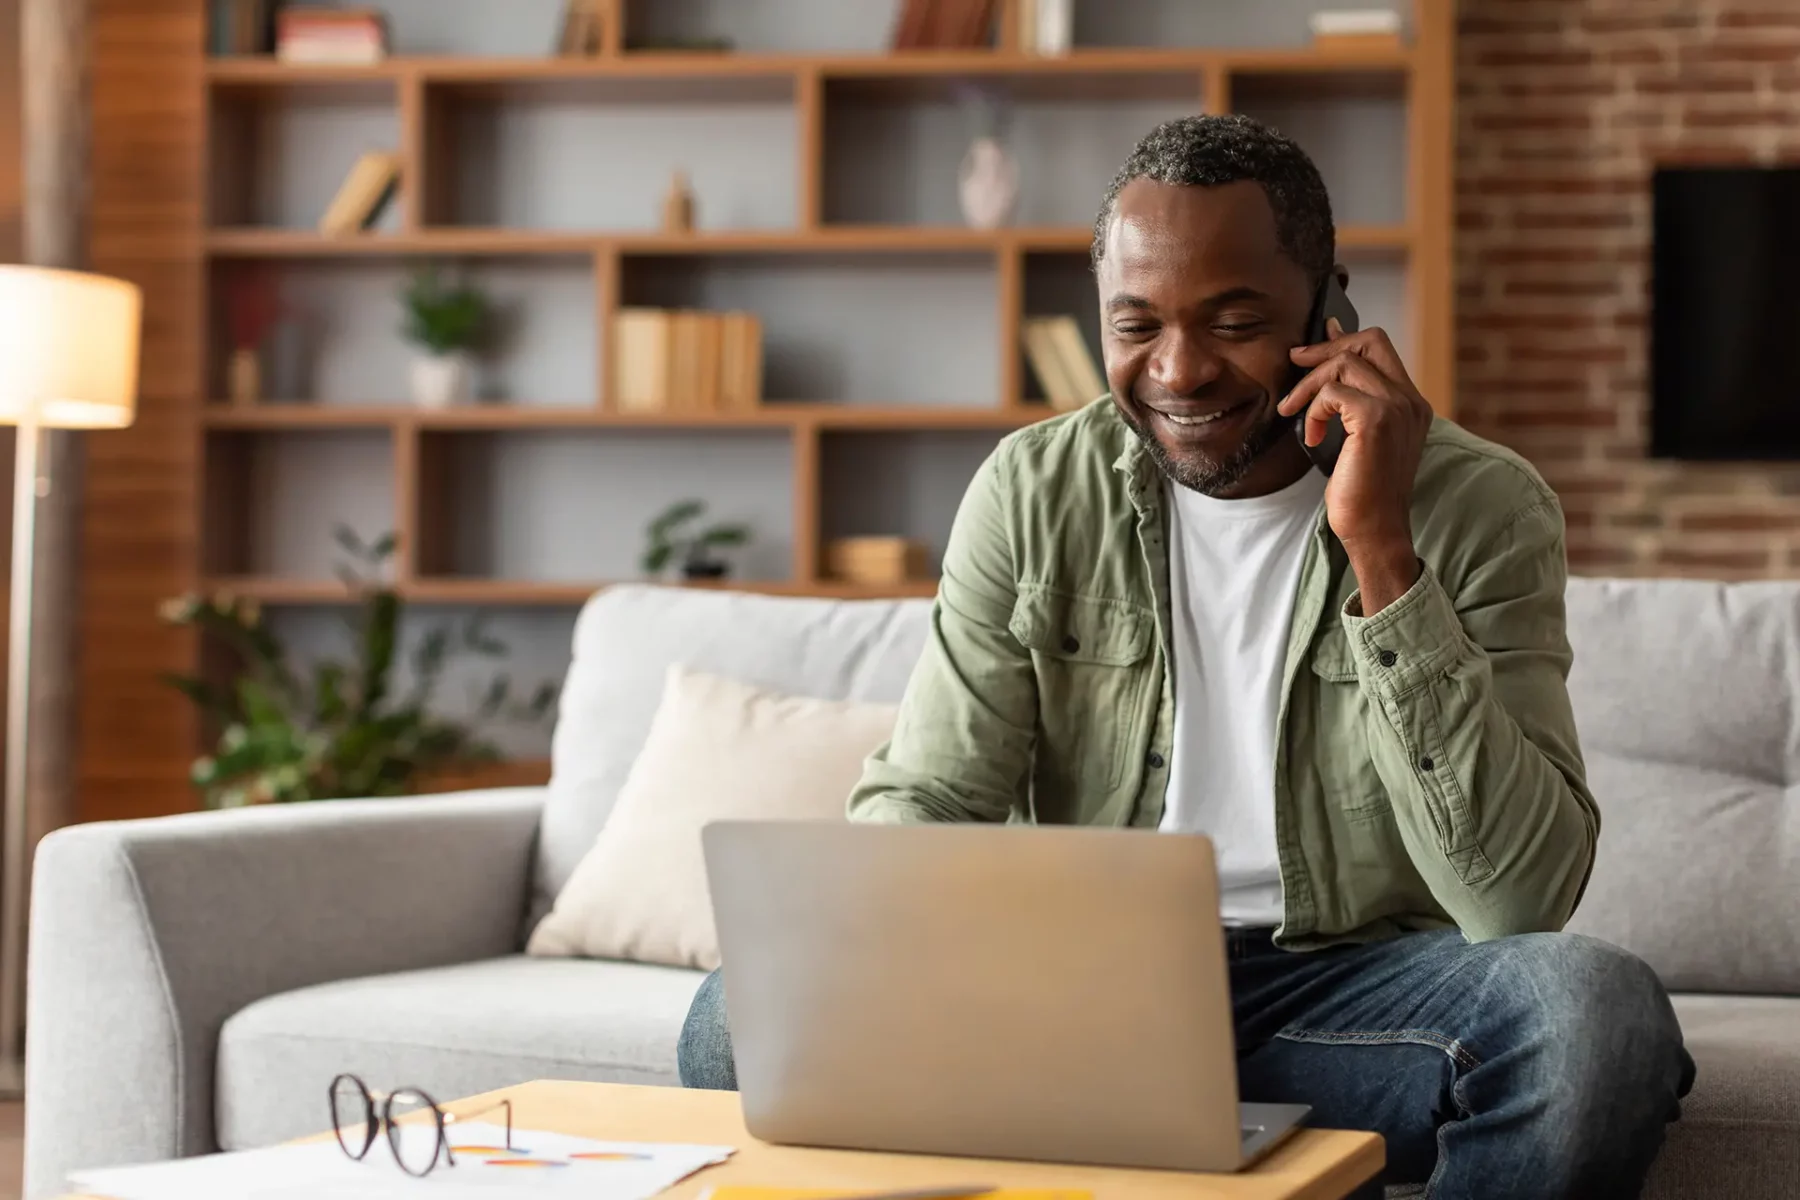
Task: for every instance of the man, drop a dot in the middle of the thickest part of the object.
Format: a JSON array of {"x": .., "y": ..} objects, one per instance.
[{"x": 1157, "y": 612}]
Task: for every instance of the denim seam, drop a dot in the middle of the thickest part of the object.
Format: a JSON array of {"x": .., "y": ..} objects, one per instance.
[
  {"x": 1455, "y": 1050},
  {"x": 1462, "y": 1107}
]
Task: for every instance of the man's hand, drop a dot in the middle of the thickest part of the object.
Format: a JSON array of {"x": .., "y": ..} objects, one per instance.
[{"x": 1359, "y": 378}]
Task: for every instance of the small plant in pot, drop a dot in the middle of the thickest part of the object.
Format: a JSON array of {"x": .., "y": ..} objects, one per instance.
[
  {"x": 676, "y": 536},
  {"x": 446, "y": 322}
]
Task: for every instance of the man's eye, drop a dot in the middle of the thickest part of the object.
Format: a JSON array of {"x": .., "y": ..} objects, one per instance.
[
  {"x": 1133, "y": 330},
  {"x": 1240, "y": 328}
]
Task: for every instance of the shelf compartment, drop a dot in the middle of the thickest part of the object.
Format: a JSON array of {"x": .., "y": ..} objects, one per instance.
[
  {"x": 601, "y": 154},
  {"x": 852, "y": 329},
  {"x": 898, "y": 484},
  {"x": 329, "y": 593},
  {"x": 555, "y": 507},
  {"x": 272, "y": 504},
  {"x": 893, "y": 159},
  {"x": 339, "y": 338},
  {"x": 276, "y": 157},
  {"x": 1353, "y": 126}
]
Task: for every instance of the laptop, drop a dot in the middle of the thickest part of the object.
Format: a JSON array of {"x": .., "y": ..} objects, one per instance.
[{"x": 1019, "y": 992}]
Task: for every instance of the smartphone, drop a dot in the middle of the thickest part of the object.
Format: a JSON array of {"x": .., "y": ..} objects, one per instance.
[{"x": 1328, "y": 303}]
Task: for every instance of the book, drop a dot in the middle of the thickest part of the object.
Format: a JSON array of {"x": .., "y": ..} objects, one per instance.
[
  {"x": 911, "y": 27},
  {"x": 708, "y": 367},
  {"x": 640, "y": 368},
  {"x": 1046, "y": 364},
  {"x": 330, "y": 35},
  {"x": 1025, "y": 27},
  {"x": 236, "y": 27},
  {"x": 583, "y": 28},
  {"x": 366, "y": 190},
  {"x": 740, "y": 362},
  {"x": 1077, "y": 361}
]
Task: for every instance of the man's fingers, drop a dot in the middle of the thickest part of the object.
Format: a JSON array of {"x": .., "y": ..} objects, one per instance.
[
  {"x": 1333, "y": 398},
  {"x": 1372, "y": 343},
  {"x": 1346, "y": 367}
]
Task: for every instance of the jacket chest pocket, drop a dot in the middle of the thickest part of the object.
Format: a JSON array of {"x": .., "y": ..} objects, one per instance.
[
  {"x": 1092, "y": 658},
  {"x": 1345, "y": 761}
]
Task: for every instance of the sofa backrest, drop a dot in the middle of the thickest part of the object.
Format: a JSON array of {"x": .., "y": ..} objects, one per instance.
[
  {"x": 627, "y": 637},
  {"x": 1687, "y": 696}
]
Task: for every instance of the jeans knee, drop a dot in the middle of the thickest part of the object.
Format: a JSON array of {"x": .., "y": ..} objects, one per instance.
[
  {"x": 1605, "y": 1013},
  {"x": 703, "y": 1054}
]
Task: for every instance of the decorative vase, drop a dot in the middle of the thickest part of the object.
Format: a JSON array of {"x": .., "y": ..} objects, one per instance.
[
  {"x": 441, "y": 380},
  {"x": 987, "y": 184}
]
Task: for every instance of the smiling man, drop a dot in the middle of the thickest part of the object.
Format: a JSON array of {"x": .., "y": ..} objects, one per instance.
[{"x": 1157, "y": 612}]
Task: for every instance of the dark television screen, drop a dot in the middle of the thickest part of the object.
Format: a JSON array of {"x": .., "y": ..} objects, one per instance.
[{"x": 1725, "y": 313}]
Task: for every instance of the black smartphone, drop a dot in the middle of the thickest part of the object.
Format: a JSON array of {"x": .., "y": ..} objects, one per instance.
[{"x": 1328, "y": 303}]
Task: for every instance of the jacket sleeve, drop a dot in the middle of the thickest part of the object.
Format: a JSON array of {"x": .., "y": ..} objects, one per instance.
[
  {"x": 1473, "y": 733},
  {"x": 962, "y": 746}
]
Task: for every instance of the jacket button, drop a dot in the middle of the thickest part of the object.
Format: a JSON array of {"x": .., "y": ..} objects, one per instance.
[
  {"x": 1425, "y": 764},
  {"x": 1155, "y": 760},
  {"x": 1388, "y": 658},
  {"x": 1071, "y": 644}
]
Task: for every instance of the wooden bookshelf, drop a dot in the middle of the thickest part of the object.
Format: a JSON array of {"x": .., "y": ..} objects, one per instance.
[{"x": 184, "y": 224}]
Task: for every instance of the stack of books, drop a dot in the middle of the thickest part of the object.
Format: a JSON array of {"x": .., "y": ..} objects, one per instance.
[
  {"x": 351, "y": 36},
  {"x": 945, "y": 24},
  {"x": 686, "y": 361},
  {"x": 1060, "y": 359},
  {"x": 363, "y": 195},
  {"x": 1046, "y": 27}
]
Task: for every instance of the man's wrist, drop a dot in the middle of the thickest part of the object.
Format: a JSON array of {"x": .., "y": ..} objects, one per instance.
[{"x": 1385, "y": 571}]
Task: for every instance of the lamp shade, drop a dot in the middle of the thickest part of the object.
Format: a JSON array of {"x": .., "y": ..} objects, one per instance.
[{"x": 68, "y": 348}]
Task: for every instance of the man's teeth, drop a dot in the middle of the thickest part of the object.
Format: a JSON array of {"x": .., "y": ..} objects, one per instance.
[{"x": 1207, "y": 419}]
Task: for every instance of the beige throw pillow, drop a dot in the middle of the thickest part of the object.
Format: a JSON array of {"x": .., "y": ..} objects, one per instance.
[{"x": 717, "y": 750}]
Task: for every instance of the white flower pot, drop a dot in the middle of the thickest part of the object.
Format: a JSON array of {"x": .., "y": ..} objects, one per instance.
[{"x": 442, "y": 380}]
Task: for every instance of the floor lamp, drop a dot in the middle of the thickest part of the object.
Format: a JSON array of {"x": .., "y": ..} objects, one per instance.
[{"x": 68, "y": 360}]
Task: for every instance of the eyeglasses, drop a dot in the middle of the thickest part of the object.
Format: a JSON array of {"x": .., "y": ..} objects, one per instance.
[{"x": 417, "y": 1127}]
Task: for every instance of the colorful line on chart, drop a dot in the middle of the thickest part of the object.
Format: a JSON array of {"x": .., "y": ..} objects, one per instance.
[{"x": 609, "y": 1156}]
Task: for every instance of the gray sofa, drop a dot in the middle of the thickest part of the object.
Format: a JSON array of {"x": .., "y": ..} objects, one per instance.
[{"x": 196, "y": 980}]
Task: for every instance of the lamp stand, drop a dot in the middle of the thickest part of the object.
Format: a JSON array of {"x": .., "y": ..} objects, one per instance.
[{"x": 15, "y": 823}]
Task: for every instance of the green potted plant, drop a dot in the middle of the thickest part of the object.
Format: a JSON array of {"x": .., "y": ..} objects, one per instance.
[
  {"x": 338, "y": 728},
  {"x": 675, "y": 537},
  {"x": 446, "y": 321}
]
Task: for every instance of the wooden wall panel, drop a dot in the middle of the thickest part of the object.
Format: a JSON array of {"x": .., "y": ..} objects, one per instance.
[{"x": 139, "y": 541}]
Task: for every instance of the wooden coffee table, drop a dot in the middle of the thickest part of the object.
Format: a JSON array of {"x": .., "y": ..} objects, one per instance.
[{"x": 1314, "y": 1164}]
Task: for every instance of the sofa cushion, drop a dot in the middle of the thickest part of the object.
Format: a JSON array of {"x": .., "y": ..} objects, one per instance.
[
  {"x": 717, "y": 751},
  {"x": 1686, "y": 695},
  {"x": 1739, "y": 1133},
  {"x": 1696, "y": 874},
  {"x": 627, "y": 638},
  {"x": 453, "y": 1031}
]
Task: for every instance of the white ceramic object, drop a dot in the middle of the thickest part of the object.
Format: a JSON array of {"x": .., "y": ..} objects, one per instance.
[
  {"x": 987, "y": 184},
  {"x": 441, "y": 380}
]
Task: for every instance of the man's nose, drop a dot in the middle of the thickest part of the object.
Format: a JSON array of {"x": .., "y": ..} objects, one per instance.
[{"x": 1183, "y": 364}]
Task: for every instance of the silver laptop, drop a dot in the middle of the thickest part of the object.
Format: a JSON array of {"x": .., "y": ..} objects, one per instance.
[{"x": 993, "y": 991}]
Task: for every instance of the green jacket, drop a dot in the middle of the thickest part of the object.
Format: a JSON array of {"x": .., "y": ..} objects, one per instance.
[{"x": 1427, "y": 771}]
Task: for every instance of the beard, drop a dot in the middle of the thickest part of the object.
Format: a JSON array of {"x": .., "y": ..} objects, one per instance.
[{"x": 1202, "y": 473}]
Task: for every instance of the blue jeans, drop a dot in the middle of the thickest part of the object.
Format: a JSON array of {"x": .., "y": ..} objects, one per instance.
[{"x": 1544, "y": 1065}]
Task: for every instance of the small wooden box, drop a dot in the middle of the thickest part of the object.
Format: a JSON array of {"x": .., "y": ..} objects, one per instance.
[{"x": 875, "y": 560}]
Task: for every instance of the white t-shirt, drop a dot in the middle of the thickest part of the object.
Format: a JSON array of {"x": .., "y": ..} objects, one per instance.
[{"x": 1234, "y": 566}]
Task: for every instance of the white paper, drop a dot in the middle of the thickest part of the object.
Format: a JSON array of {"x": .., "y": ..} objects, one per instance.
[{"x": 545, "y": 1164}]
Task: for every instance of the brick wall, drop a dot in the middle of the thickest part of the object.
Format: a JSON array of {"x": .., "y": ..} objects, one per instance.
[{"x": 1565, "y": 108}]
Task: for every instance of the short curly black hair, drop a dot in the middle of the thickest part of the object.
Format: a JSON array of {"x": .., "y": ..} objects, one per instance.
[{"x": 1209, "y": 151}]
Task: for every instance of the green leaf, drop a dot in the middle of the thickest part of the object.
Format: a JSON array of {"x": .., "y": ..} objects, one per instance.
[
  {"x": 329, "y": 706},
  {"x": 207, "y": 698},
  {"x": 384, "y": 547},
  {"x": 679, "y": 513},
  {"x": 656, "y": 558},
  {"x": 348, "y": 541},
  {"x": 381, "y": 617},
  {"x": 725, "y": 535}
]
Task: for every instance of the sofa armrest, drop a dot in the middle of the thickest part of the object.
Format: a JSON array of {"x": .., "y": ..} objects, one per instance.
[{"x": 146, "y": 935}]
